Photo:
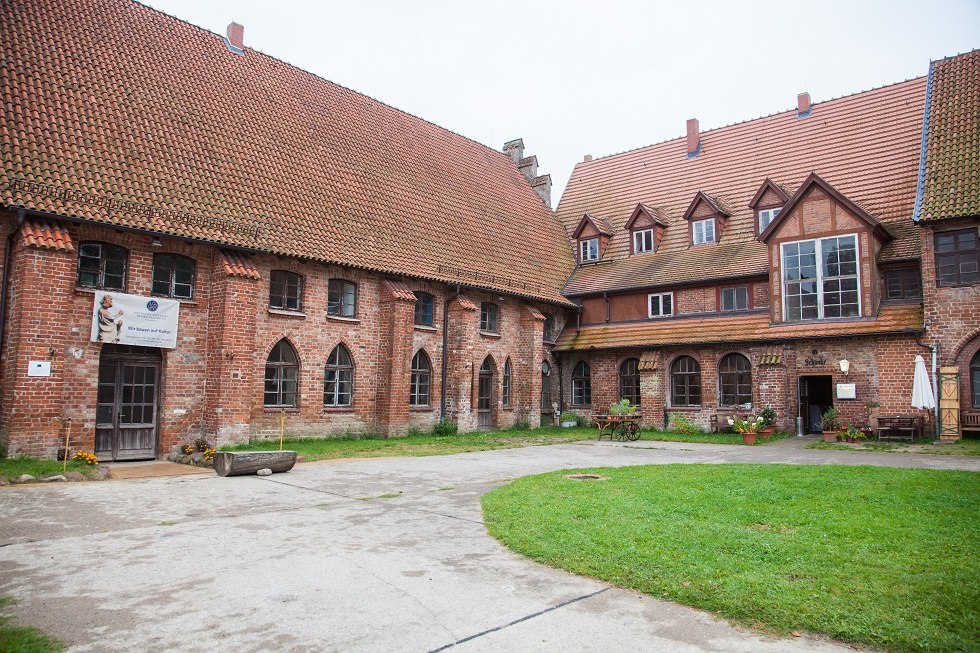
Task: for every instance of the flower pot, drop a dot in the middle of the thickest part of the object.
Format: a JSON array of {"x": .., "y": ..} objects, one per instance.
[
  {"x": 748, "y": 438},
  {"x": 568, "y": 425},
  {"x": 830, "y": 436},
  {"x": 768, "y": 432},
  {"x": 852, "y": 440}
]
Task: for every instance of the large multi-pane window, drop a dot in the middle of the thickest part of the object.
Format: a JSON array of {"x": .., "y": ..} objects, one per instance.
[
  {"x": 285, "y": 290},
  {"x": 281, "y": 374},
  {"x": 341, "y": 298},
  {"x": 505, "y": 389},
  {"x": 820, "y": 278},
  {"x": 173, "y": 276},
  {"x": 581, "y": 385},
  {"x": 421, "y": 380},
  {"x": 338, "y": 378},
  {"x": 735, "y": 380},
  {"x": 423, "y": 308},
  {"x": 629, "y": 381},
  {"x": 489, "y": 317},
  {"x": 957, "y": 257},
  {"x": 101, "y": 265},
  {"x": 685, "y": 382}
]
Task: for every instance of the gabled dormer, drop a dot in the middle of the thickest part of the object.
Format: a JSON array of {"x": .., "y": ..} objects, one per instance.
[
  {"x": 646, "y": 228},
  {"x": 592, "y": 236},
  {"x": 707, "y": 217},
  {"x": 767, "y": 203}
]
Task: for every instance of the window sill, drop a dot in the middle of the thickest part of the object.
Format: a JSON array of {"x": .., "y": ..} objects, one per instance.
[
  {"x": 92, "y": 291},
  {"x": 421, "y": 409},
  {"x": 550, "y": 342},
  {"x": 341, "y": 318},
  {"x": 689, "y": 409},
  {"x": 489, "y": 334},
  {"x": 275, "y": 410},
  {"x": 946, "y": 285},
  {"x": 286, "y": 313},
  {"x": 338, "y": 409},
  {"x": 425, "y": 327},
  {"x": 508, "y": 409}
]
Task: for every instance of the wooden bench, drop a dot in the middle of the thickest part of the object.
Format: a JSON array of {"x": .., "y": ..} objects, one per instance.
[
  {"x": 719, "y": 423},
  {"x": 899, "y": 427},
  {"x": 970, "y": 421}
]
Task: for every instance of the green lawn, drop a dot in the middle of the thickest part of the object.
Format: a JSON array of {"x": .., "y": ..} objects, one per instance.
[
  {"x": 13, "y": 467},
  {"x": 961, "y": 448},
  {"x": 19, "y": 639},
  {"x": 881, "y": 557}
]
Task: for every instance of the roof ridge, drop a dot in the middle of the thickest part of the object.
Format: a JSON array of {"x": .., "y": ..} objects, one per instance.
[
  {"x": 954, "y": 56},
  {"x": 247, "y": 48}
]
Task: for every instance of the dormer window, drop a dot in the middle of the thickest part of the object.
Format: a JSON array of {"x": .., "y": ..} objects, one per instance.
[
  {"x": 589, "y": 250},
  {"x": 704, "y": 231},
  {"x": 766, "y": 216},
  {"x": 643, "y": 241}
]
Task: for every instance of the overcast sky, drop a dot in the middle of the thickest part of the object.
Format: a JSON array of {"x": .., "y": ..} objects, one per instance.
[{"x": 574, "y": 78}]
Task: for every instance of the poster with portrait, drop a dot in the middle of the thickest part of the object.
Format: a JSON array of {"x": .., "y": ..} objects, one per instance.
[{"x": 133, "y": 320}]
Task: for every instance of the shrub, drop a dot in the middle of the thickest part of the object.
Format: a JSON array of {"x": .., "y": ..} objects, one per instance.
[
  {"x": 445, "y": 428},
  {"x": 768, "y": 415},
  {"x": 681, "y": 424},
  {"x": 623, "y": 407},
  {"x": 568, "y": 417}
]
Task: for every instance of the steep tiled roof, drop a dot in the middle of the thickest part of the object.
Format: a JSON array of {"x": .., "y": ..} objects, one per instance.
[
  {"x": 698, "y": 330},
  {"x": 865, "y": 145},
  {"x": 46, "y": 235},
  {"x": 950, "y": 181},
  {"x": 239, "y": 265},
  {"x": 120, "y": 114}
]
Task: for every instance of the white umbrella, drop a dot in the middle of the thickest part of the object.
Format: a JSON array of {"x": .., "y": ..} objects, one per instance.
[{"x": 921, "y": 387}]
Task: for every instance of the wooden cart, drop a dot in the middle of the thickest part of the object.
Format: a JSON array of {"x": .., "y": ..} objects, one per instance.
[{"x": 623, "y": 427}]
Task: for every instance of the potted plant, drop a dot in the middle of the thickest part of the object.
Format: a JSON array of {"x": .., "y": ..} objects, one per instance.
[
  {"x": 747, "y": 427},
  {"x": 768, "y": 415},
  {"x": 830, "y": 424},
  {"x": 568, "y": 420},
  {"x": 624, "y": 408},
  {"x": 852, "y": 434}
]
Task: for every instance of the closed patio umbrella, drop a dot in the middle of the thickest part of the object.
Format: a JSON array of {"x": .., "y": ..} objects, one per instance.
[{"x": 922, "y": 396}]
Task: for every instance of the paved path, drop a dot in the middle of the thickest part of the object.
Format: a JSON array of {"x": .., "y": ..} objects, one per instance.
[{"x": 316, "y": 560}]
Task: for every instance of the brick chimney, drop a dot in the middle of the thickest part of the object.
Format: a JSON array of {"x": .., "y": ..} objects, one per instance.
[
  {"x": 803, "y": 105},
  {"x": 588, "y": 157},
  {"x": 542, "y": 185},
  {"x": 515, "y": 150},
  {"x": 693, "y": 138},
  {"x": 235, "y": 39}
]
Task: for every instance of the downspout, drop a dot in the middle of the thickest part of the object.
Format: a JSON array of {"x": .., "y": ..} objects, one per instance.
[
  {"x": 935, "y": 379},
  {"x": 605, "y": 296},
  {"x": 8, "y": 250},
  {"x": 445, "y": 355},
  {"x": 561, "y": 388}
]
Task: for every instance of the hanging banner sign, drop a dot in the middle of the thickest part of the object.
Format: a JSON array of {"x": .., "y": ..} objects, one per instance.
[{"x": 135, "y": 320}]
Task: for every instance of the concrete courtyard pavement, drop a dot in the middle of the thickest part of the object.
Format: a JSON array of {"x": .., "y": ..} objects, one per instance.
[{"x": 351, "y": 555}]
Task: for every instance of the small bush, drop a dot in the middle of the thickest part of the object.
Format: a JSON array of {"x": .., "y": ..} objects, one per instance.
[
  {"x": 446, "y": 428},
  {"x": 582, "y": 421},
  {"x": 568, "y": 417},
  {"x": 681, "y": 424}
]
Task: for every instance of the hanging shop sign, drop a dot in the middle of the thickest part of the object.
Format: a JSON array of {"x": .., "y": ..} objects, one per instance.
[{"x": 134, "y": 320}]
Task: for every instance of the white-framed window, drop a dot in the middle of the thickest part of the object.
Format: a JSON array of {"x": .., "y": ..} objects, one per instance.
[
  {"x": 735, "y": 298},
  {"x": 661, "y": 304},
  {"x": 643, "y": 241},
  {"x": 766, "y": 216},
  {"x": 589, "y": 250},
  {"x": 704, "y": 231},
  {"x": 821, "y": 278}
]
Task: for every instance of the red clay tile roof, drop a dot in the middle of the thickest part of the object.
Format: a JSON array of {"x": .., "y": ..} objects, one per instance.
[
  {"x": 865, "y": 145},
  {"x": 535, "y": 314},
  {"x": 950, "y": 186},
  {"x": 239, "y": 265},
  {"x": 399, "y": 291},
  {"x": 698, "y": 330},
  {"x": 46, "y": 235},
  {"x": 120, "y": 114}
]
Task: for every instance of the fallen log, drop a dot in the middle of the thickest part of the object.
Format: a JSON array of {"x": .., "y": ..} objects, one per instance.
[{"x": 239, "y": 463}]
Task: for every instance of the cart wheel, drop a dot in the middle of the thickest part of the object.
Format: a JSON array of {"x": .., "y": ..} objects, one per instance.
[{"x": 633, "y": 431}]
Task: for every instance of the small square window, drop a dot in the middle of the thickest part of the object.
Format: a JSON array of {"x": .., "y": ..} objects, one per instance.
[
  {"x": 903, "y": 284},
  {"x": 735, "y": 298},
  {"x": 643, "y": 241},
  {"x": 341, "y": 298},
  {"x": 766, "y": 216},
  {"x": 662, "y": 304},
  {"x": 589, "y": 250},
  {"x": 704, "y": 231},
  {"x": 285, "y": 290},
  {"x": 489, "y": 317}
]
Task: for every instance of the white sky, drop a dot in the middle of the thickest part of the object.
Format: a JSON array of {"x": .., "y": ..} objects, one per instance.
[{"x": 574, "y": 78}]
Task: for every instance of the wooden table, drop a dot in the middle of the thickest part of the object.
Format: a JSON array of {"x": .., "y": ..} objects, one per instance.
[
  {"x": 623, "y": 427},
  {"x": 899, "y": 427}
]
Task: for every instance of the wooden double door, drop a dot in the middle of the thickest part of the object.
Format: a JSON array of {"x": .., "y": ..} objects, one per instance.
[{"x": 128, "y": 397}]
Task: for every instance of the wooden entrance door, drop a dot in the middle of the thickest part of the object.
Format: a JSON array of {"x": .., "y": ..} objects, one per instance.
[
  {"x": 126, "y": 415},
  {"x": 484, "y": 400}
]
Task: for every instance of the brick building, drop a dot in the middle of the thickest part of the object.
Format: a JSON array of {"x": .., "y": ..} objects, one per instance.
[
  {"x": 739, "y": 267},
  {"x": 330, "y": 264},
  {"x": 337, "y": 265}
]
